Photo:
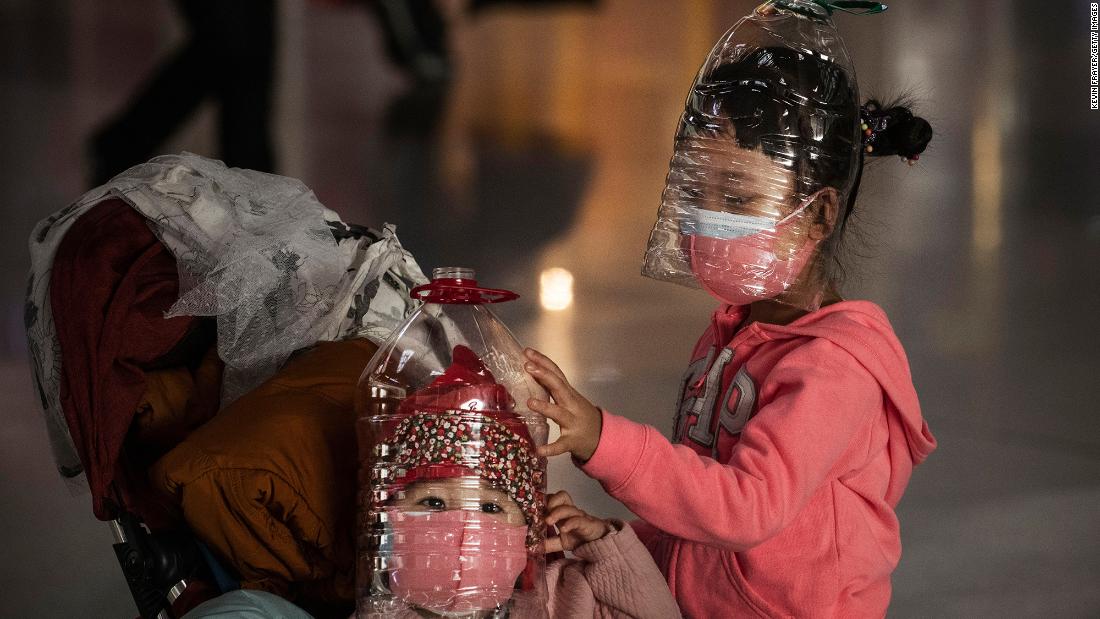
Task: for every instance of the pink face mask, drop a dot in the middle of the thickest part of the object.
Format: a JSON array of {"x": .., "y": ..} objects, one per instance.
[
  {"x": 736, "y": 258},
  {"x": 456, "y": 560}
]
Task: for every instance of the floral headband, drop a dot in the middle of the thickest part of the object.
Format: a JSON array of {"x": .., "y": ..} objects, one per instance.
[{"x": 433, "y": 446}]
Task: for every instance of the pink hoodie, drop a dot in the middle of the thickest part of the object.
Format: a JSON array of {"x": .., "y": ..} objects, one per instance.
[{"x": 794, "y": 445}]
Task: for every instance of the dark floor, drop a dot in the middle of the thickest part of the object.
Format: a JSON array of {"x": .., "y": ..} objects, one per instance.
[{"x": 551, "y": 152}]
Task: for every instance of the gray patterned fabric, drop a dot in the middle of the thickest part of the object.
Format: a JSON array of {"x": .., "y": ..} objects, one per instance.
[{"x": 258, "y": 251}]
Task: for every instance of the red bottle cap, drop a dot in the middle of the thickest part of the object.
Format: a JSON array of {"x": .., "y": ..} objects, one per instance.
[{"x": 457, "y": 286}]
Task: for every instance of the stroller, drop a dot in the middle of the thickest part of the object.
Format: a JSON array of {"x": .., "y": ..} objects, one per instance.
[{"x": 177, "y": 290}]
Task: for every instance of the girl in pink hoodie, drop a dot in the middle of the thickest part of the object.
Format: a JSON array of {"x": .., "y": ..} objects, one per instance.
[{"x": 798, "y": 425}]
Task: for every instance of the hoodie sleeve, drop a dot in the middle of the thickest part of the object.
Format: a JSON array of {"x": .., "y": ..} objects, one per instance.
[
  {"x": 812, "y": 405},
  {"x": 617, "y": 576},
  {"x": 646, "y": 533}
]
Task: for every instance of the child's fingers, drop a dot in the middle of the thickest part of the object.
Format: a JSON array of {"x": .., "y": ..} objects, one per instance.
[
  {"x": 552, "y": 545},
  {"x": 545, "y": 362},
  {"x": 571, "y": 524},
  {"x": 561, "y": 497},
  {"x": 549, "y": 410},
  {"x": 556, "y": 448},
  {"x": 563, "y": 512},
  {"x": 584, "y": 527},
  {"x": 556, "y": 385}
]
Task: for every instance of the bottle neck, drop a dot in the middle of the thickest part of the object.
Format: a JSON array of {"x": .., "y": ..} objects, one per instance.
[{"x": 453, "y": 273}]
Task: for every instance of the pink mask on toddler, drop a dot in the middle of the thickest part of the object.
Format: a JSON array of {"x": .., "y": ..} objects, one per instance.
[{"x": 455, "y": 561}]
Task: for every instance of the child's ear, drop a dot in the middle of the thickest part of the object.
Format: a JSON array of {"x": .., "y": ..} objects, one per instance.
[{"x": 825, "y": 209}]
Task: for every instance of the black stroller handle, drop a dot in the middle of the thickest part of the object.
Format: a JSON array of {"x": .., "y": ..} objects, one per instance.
[{"x": 156, "y": 565}]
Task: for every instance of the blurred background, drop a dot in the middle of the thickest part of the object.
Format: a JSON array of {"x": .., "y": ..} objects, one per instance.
[{"x": 529, "y": 140}]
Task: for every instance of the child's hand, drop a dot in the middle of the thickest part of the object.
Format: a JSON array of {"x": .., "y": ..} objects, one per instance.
[
  {"x": 580, "y": 422},
  {"x": 575, "y": 527}
]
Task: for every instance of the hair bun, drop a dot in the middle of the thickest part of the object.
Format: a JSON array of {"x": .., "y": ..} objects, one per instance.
[
  {"x": 893, "y": 130},
  {"x": 911, "y": 136}
]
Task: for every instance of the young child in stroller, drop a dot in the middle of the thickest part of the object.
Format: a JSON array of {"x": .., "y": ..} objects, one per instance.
[{"x": 467, "y": 501}]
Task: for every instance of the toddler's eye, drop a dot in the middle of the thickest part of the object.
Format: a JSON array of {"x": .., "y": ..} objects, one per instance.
[
  {"x": 491, "y": 508},
  {"x": 434, "y": 503}
]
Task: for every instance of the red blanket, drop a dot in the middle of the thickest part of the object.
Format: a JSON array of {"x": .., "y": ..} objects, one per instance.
[{"x": 111, "y": 283}]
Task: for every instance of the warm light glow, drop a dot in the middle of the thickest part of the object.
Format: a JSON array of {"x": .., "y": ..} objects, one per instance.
[
  {"x": 556, "y": 289},
  {"x": 988, "y": 177}
]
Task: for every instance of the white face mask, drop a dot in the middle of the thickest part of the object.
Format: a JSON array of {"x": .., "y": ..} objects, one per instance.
[
  {"x": 726, "y": 226},
  {"x": 722, "y": 225}
]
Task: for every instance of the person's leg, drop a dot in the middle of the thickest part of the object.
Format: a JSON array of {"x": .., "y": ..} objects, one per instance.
[
  {"x": 240, "y": 38},
  {"x": 416, "y": 37},
  {"x": 155, "y": 112}
]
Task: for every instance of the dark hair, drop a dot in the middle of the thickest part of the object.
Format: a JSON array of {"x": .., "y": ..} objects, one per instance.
[{"x": 802, "y": 110}]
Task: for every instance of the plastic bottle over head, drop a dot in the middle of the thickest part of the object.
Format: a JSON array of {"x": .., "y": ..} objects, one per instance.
[{"x": 452, "y": 492}]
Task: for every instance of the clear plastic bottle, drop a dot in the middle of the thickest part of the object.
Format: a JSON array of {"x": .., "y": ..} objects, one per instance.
[{"x": 451, "y": 493}]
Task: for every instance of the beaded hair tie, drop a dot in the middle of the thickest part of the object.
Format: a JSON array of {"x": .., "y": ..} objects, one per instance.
[{"x": 874, "y": 122}]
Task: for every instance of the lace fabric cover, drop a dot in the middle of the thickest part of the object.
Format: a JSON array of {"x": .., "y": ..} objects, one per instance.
[{"x": 258, "y": 251}]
